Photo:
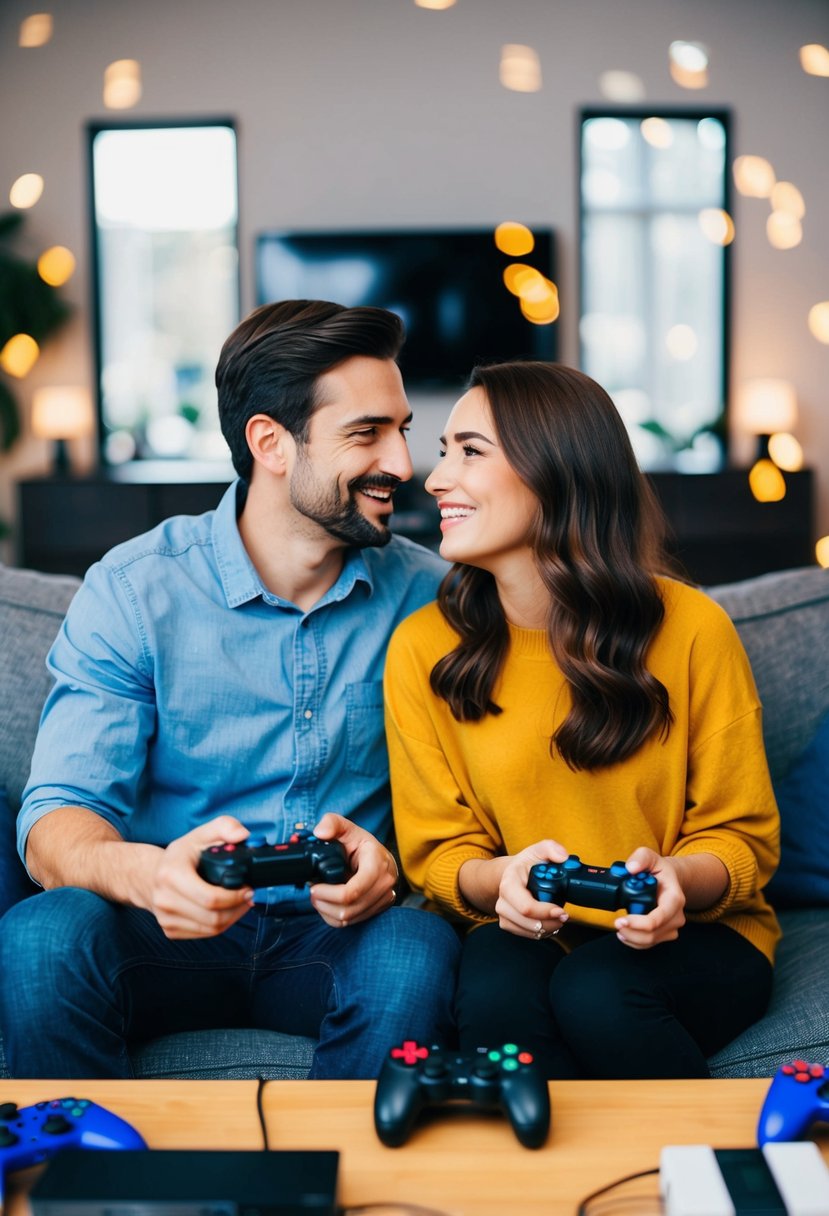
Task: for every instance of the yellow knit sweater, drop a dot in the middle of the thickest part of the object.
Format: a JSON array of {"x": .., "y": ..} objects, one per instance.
[{"x": 464, "y": 790}]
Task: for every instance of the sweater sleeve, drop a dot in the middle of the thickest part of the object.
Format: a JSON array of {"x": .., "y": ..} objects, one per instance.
[
  {"x": 731, "y": 810},
  {"x": 438, "y": 823}
]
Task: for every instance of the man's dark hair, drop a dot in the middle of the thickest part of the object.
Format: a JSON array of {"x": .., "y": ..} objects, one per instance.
[{"x": 271, "y": 362}]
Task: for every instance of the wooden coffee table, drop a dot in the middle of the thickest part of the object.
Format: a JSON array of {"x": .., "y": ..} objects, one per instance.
[{"x": 458, "y": 1161}]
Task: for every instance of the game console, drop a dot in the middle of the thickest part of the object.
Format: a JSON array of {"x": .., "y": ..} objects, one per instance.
[
  {"x": 798, "y": 1097},
  {"x": 609, "y": 888},
  {"x": 778, "y": 1180},
  {"x": 503, "y": 1078},
  {"x": 300, "y": 860},
  {"x": 172, "y": 1182},
  {"x": 32, "y": 1134}
]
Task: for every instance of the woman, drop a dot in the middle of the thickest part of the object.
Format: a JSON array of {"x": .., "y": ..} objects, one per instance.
[{"x": 565, "y": 696}]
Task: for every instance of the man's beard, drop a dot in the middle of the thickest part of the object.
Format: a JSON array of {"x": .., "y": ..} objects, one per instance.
[{"x": 341, "y": 517}]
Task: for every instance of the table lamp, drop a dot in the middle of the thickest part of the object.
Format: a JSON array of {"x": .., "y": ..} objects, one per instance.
[
  {"x": 61, "y": 412},
  {"x": 767, "y": 407}
]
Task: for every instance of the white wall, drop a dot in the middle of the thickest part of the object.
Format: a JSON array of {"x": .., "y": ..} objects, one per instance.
[{"x": 353, "y": 113}]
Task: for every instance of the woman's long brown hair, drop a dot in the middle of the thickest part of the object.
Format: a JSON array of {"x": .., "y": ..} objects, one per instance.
[{"x": 597, "y": 541}]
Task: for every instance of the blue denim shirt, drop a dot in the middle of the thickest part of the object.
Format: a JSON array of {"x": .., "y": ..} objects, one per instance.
[{"x": 185, "y": 690}]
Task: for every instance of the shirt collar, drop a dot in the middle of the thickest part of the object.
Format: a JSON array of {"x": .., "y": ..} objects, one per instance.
[{"x": 240, "y": 580}]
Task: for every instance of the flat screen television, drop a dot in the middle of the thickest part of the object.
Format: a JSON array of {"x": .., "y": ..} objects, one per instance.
[{"x": 446, "y": 285}]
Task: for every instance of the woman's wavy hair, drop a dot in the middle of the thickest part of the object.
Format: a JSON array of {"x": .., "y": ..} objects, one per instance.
[{"x": 598, "y": 542}]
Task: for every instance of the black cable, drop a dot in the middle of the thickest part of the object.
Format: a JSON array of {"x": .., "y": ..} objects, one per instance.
[
  {"x": 262, "y": 1121},
  {"x": 611, "y": 1186}
]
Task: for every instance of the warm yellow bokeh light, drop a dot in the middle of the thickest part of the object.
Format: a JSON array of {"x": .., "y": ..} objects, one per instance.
[
  {"x": 687, "y": 79},
  {"x": 814, "y": 59},
  {"x": 822, "y": 552},
  {"x": 35, "y": 30},
  {"x": 819, "y": 321},
  {"x": 784, "y": 230},
  {"x": 767, "y": 482},
  {"x": 717, "y": 225},
  {"x": 785, "y": 451},
  {"x": 657, "y": 132},
  {"x": 19, "y": 355},
  {"x": 122, "y": 84},
  {"x": 56, "y": 265},
  {"x": 26, "y": 191},
  {"x": 520, "y": 68},
  {"x": 514, "y": 239},
  {"x": 754, "y": 176},
  {"x": 542, "y": 312},
  {"x": 518, "y": 276},
  {"x": 786, "y": 197},
  {"x": 436, "y": 4}
]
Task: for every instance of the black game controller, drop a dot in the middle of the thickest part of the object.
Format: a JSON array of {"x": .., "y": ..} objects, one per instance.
[
  {"x": 302, "y": 859},
  {"x": 503, "y": 1078},
  {"x": 571, "y": 881}
]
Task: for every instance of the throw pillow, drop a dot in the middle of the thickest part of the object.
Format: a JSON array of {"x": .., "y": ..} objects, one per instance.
[
  {"x": 803, "y": 797},
  {"x": 15, "y": 883}
]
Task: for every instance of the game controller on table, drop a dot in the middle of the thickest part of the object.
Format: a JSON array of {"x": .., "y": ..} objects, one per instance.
[
  {"x": 254, "y": 863},
  {"x": 797, "y": 1098},
  {"x": 505, "y": 1078},
  {"x": 32, "y": 1134},
  {"x": 609, "y": 888}
]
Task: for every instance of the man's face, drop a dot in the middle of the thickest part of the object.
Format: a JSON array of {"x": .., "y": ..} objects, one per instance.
[{"x": 356, "y": 454}]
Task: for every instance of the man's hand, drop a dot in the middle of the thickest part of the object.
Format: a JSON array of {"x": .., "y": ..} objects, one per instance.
[
  {"x": 518, "y": 912},
  {"x": 186, "y": 906},
  {"x": 374, "y": 872}
]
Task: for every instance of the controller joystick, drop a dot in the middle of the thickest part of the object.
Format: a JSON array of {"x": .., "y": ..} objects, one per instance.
[
  {"x": 504, "y": 1078},
  {"x": 31, "y": 1134},
  {"x": 609, "y": 888},
  {"x": 798, "y": 1097},
  {"x": 301, "y": 860}
]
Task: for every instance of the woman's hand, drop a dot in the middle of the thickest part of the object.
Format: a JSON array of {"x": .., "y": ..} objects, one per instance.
[
  {"x": 663, "y": 924},
  {"x": 518, "y": 912}
]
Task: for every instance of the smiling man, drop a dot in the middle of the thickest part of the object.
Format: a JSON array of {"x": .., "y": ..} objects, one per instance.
[{"x": 221, "y": 676}]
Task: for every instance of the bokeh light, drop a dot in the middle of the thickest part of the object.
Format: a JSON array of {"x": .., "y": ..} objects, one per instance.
[
  {"x": 122, "y": 84},
  {"x": 35, "y": 30},
  {"x": 688, "y": 64},
  {"x": 19, "y": 355},
  {"x": 622, "y": 86},
  {"x": 786, "y": 197},
  {"x": 766, "y": 482},
  {"x": 814, "y": 59},
  {"x": 514, "y": 239},
  {"x": 784, "y": 230},
  {"x": 785, "y": 451},
  {"x": 717, "y": 225},
  {"x": 819, "y": 321},
  {"x": 520, "y": 68},
  {"x": 754, "y": 176},
  {"x": 657, "y": 132},
  {"x": 26, "y": 191},
  {"x": 822, "y": 552},
  {"x": 56, "y": 265}
]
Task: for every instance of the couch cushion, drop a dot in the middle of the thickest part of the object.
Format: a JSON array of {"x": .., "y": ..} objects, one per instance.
[
  {"x": 31, "y": 609},
  {"x": 797, "y": 1021},
  {"x": 783, "y": 620},
  {"x": 802, "y": 879}
]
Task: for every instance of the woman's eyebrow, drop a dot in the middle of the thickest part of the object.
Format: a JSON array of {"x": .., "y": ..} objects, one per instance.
[{"x": 463, "y": 436}]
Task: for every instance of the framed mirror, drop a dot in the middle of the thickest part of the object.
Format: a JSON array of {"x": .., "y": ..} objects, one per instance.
[
  {"x": 655, "y": 231},
  {"x": 164, "y": 212}
]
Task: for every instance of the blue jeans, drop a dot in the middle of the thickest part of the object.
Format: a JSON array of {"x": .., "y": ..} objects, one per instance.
[{"x": 82, "y": 978}]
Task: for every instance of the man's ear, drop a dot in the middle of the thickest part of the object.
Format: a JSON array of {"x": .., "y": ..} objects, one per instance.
[{"x": 271, "y": 445}]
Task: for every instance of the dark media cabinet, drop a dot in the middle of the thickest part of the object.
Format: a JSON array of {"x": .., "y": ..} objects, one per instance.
[{"x": 719, "y": 532}]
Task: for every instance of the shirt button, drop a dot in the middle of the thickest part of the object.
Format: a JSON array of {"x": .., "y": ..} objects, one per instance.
[{"x": 308, "y": 714}]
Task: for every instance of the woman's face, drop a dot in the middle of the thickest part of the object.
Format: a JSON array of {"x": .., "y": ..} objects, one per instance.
[{"x": 486, "y": 509}]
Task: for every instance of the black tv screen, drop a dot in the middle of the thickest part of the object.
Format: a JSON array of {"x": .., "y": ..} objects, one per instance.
[{"x": 447, "y": 286}]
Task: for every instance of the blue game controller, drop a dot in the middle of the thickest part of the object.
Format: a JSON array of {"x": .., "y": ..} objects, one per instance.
[
  {"x": 31, "y": 1134},
  {"x": 798, "y": 1096},
  {"x": 571, "y": 881}
]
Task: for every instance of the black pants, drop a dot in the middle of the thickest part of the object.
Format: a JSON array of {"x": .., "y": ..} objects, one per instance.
[{"x": 606, "y": 1010}]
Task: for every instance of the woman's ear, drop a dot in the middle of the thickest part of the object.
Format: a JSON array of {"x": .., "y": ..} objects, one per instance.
[{"x": 270, "y": 444}]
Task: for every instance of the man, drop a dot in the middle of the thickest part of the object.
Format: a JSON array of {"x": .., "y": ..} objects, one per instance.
[{"x": 218, "y": 675}]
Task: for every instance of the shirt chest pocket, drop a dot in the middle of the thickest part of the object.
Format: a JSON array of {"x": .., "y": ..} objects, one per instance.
[{"x": 366, "y": 751}]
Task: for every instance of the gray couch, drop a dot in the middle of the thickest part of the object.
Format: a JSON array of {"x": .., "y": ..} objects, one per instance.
[{"x": 784, "y": 623}]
